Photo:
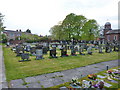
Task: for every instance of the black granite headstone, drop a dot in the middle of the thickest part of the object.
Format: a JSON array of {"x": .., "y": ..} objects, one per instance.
[
  {"x": 25, "y": 57},
  {"x": 53, "y": 53},
  {"x": 33, "y": 50},
  {"x": 63, "y": 52}
]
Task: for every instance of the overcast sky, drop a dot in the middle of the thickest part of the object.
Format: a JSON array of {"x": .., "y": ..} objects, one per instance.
[{"x": 40, "y": 15}]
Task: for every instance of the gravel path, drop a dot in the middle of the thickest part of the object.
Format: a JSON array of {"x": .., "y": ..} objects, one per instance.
[{"x": 3, "y": 83}]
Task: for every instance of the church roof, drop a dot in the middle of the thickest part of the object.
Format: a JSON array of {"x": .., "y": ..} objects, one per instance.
[{"x": 116, "y": 31}]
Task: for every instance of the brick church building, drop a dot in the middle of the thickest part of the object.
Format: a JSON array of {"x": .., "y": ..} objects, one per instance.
[{"x": 110, "y": 34}]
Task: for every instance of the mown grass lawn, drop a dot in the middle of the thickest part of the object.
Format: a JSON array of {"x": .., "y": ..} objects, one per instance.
[
  {"x": 114, "y": 85},
  {"x": 16, "y": 70}
]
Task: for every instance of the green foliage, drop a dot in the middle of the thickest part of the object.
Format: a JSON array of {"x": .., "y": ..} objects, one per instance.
[
  {"x": 57, "y": 32},
  {"x": 28, "y": 31},
  {"x": 1, "y": 22},
  {"x": 44, "y": 38},
  {"x": 29, "y": 37},
  {"x": 75, "y": 27},
  {"x": 1, "y": 25},
  {"x": 90, "y": 30},
  {"x": 4, "y": 38}
]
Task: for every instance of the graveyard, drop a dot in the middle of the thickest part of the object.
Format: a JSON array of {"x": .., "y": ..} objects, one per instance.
[
  {"x": 76, "y": 55},
  {"x": 17, "y": 69}
]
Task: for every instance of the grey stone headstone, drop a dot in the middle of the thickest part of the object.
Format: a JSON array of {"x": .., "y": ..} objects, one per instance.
[
  {"x": 25, "y": 57},
  {"x": 39, "y": 54},
  {"x": 19, "y": 50},
  {"x": 89, "y": 50}
]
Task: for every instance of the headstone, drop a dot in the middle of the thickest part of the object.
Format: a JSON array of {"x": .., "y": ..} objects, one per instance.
[
  {"x": 33, "y": 50},
  {"x": 99, "y": 76},
  {"x": 8, "y": 44},
  {"x": 63, "y": 51},
  {"x": 89, "y": 50},
  {"x": 13, "y": 49},
  {"x": 113, "y": 81},
  {"x": 39, "y": 52},
  {"x": 25, "y": 57},
  {"x": 107, "y": 48},
  {"x": 100, "y": 47},
  {"x": 19, "y": 50},
  {"x": 73, "y": 51},
  {"x": 81, "y": 47},
  {"x": 28, "y": 48},
  {"x": 63, "y": 88},
  {"x": 68, "y": 47},
  {"x": 45, "y": 49},
  {"x": 53, "y": 52},
  {"x": 75, "y": 86}
]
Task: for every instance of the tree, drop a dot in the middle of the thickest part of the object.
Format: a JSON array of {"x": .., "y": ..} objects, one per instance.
[
  {"x": 79, "y": 21},
  {"x": 90, "y": 30},
  {"x": 29, "y": 37},
  {"x": 1, "y": 24},
  {"x": 4, "y": 38},
  {"x": 28, "y": 31},
  {"x": 57, "y": 33},
  {"x": 75, "y": 27},
  {"x": 68, "y": 25}
]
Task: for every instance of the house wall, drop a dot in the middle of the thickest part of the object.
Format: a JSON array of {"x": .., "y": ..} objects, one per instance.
[
  {"x": 12, "y": 35},
  {"x": 111, "y": 37}
]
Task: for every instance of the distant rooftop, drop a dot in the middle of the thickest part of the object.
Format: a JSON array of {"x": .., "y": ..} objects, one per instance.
[
  {"x": 11, "y": 31},
  {"x": 115, "y": 31}
]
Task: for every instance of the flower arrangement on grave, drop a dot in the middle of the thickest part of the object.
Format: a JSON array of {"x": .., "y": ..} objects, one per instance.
[
  {"x": 109, "y": 71},
  {"x": 110, "y": 74},
  {"x": 101, "y": 84},
  {"x": 98, "y": 84},
  {"x": 74, "y": 81},
  {"x": 116, "y": 73},
  {"x": 92, "y": 76},
  {"x": 66, "y": 54}
]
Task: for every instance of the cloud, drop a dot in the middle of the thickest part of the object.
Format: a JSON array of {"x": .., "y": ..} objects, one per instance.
[{"x": 41, "y": 15}]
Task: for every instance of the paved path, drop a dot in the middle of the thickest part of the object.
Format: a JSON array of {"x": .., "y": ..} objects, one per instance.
[
  {"x": 3, "y": 83},
  {"x": 56, "y": 78}
]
